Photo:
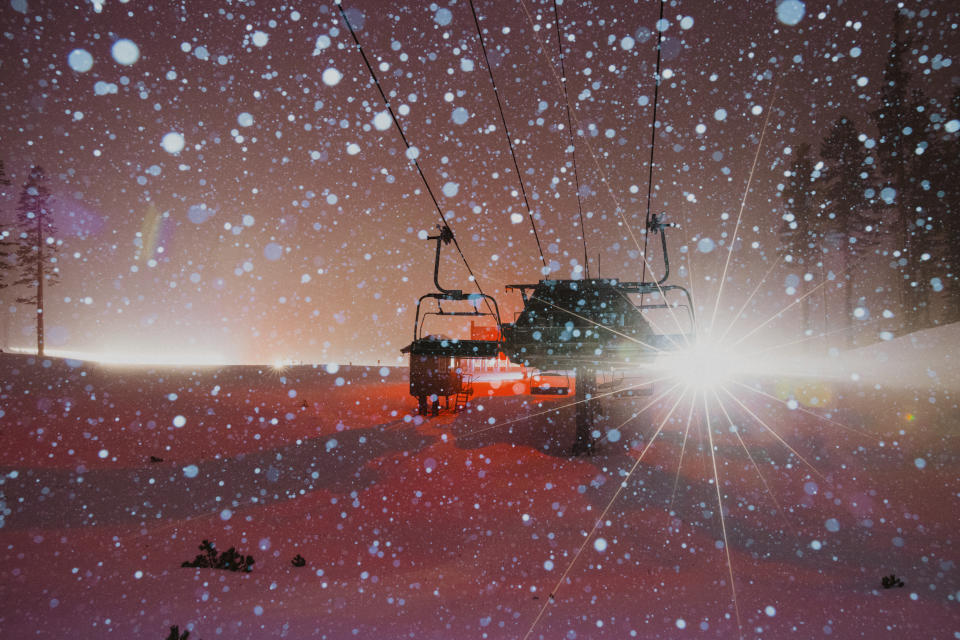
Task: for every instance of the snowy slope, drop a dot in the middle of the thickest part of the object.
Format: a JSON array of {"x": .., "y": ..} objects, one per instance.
[
  {"x": 460, "y": 526},
  {"x": 928, "y": 358}
]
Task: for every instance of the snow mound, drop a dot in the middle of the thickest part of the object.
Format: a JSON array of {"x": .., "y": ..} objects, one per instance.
[{"x": 927, "y": 358}]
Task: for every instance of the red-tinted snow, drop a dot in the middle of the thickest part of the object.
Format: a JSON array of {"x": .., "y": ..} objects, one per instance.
[{"x": 460, "y": 526}]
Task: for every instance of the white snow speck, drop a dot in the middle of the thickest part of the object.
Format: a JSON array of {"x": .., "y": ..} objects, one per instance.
[
  {"x": 382, "y": 121},
  {"x": 706, "y": 245},
  {"x": 460, "y": 115},
  {"x": 331, "y": 77},
  {"x": 681, "y": 623},
  {"x": 173, "y": 142},
  {"x": 260, "y": 38},
  {"x": 226, "y": 514},
  {"x": 125, "y": 51},
  {"x": 920, "y": 463},
  {"x": 443, "y": 17},
  {"x": 179, "y": 421},
  {"x": 245, "y": 119},
  {"x": 258, "y": 610},
  {"x": 600, "y": 544},
  {"x": 770, "y": 610},
  {"x": 353, "y": 149},
  {"x": 322, "y": 43},
  {"x": 613, "y": 435},
  {"x": 103, "y": 453},
  {"x": 952, "y": 127},
  {"x": 790, "y": 12},
  {"x": 516, "y": 218},
  {"x": 273, "y": 252},
  {"x": 191, "y": 471},
  {"x": 548, "y": 565},
  {"x": 686, "y": 22},
  {"x": 451, "y": 189},
  {"x": 198, "y": 213},
  {"x": 80, "y": 60},
  {"x": 832, "y": 525},
  {"x": 720, "y": 114},
  {"x": 413, "y": 153},
  {"x": 627, "y": 43}
]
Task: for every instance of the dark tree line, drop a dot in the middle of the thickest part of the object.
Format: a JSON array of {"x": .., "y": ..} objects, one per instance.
[
  {"x": 895, "y": 192},
  {"x": 29, "y": 250}
]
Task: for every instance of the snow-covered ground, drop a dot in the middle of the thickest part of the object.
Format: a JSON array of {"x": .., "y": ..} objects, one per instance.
[
  {"x": 925, "y": 358},
  {"x": 462, "y": 526}
]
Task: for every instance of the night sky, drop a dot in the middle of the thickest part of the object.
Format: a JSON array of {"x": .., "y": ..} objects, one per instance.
[{"x": 288, "y": 225}]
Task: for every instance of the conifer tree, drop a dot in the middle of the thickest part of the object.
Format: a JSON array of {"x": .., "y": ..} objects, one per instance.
[
  {"x": 36, "y": 245},
  {"x": 7, "y": 245},
  {"x": 846, "y": 185},
  {"x": 800, "y": 233},
  {"x": 944, "y": 160},
  {"x": 898, "y": 138}
]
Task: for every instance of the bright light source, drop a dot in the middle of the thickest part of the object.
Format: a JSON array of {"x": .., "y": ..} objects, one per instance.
[
  {"x": 172, "y": 359},
  {"x": 704, "y": 365}
]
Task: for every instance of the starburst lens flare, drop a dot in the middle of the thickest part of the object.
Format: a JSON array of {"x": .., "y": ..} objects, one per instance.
[{"x": 704, "y": 365}]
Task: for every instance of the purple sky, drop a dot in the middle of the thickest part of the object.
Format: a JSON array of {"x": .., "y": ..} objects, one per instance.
[{"x": 287, "y": 225}]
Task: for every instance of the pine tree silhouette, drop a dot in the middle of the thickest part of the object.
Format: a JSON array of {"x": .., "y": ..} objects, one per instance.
[{"x": 229, "y": 560}]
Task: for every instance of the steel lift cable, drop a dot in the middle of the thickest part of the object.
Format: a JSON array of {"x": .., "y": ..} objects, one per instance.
[
  {"x": 653, "y": 139},
  {"x": 599, "y": 168},
  {"x": 506, "y": 130},
  {"x": 406, "y": 143},
  {"x": 573, "y": 147},
  {"x": 586, "y": 140}
]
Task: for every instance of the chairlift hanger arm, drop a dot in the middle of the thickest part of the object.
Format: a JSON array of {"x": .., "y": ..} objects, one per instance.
[
  {"x": 456, "y": 296},
  {"x": 445, "y": 237}
]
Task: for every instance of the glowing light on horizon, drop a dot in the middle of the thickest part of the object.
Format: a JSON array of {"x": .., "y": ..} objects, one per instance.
[{"x": 166, "y": 358}]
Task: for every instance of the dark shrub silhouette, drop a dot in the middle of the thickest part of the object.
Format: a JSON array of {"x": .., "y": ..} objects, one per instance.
[
  {"x": 175, "y": 634},
  {"x": 891, "y": 581},
  {"x": 229, "y": 560}
]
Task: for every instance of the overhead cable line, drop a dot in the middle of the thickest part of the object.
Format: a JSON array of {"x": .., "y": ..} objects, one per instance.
[
  {"x": 412, "y": 157},
  {"x": 599, "y": 167},
  {"x": 573, "y": 148},
  {"x": 506, "y": 130},
  {"x": 653, "y": 140}
]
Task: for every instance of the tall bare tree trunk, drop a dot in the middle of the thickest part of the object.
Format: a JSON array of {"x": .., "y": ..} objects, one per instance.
[{"x": 40, "y": 284}]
